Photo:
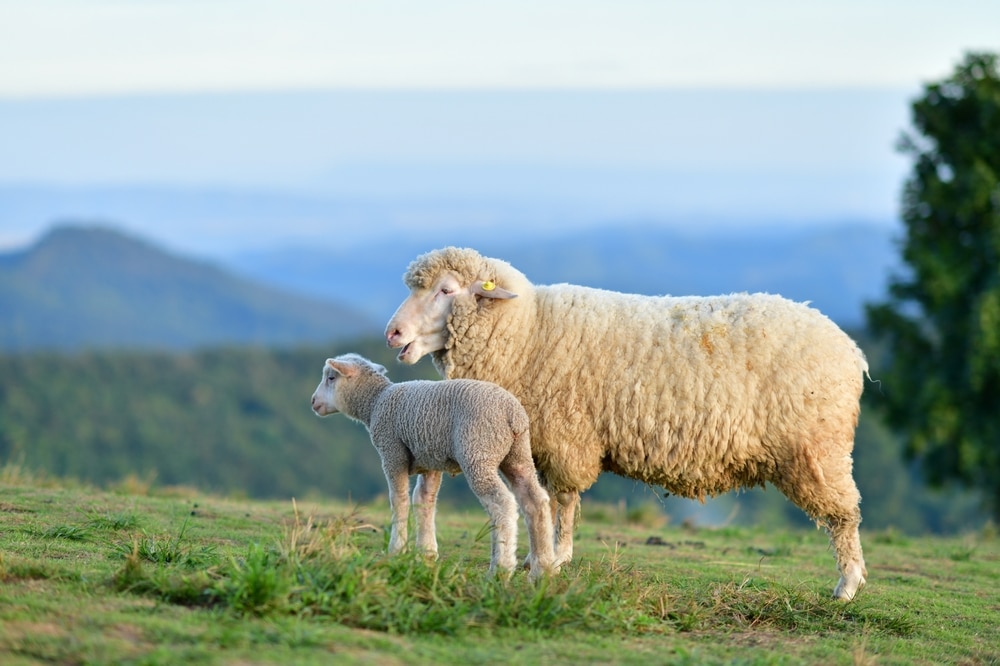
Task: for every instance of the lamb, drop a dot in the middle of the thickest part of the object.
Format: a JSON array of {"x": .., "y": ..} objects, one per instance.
[
  {"x": 430, "y": 427},
  {"x": 699, "y": 395}
]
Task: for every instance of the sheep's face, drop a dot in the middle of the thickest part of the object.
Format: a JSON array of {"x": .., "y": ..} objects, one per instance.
[{"x": 420, "y": 324}]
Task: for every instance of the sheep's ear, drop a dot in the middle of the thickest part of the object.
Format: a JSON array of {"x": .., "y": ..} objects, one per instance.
[{"x": 489, "y": 289}]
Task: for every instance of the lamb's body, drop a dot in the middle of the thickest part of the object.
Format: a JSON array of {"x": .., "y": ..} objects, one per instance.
[
  {"x": 698, "y": 395},
  {"x": 426, "y": 428}
]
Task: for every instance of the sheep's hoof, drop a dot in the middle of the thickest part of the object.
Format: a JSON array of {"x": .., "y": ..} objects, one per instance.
[{"x": 848, "y": 590}]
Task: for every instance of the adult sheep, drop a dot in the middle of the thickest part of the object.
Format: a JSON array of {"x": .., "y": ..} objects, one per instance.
[{"x": 699, "y": 395}]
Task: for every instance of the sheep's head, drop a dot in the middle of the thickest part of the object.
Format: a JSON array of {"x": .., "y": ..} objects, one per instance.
[
  {"x": 329, "y": 396},
  {"x": 420, "y": 324}
]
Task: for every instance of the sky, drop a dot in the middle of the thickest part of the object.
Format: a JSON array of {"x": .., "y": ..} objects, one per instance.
[
  {"x": 712, "y": 108},
  {"x": 86, "y": 47}
]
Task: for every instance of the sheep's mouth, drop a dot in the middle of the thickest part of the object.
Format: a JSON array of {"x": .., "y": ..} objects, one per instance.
[{"x": 404, "y": 350}]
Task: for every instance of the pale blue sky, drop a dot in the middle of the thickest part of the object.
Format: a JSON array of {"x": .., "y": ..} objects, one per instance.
[
  {"x": 577, "y": 111},
  {"x": 83, "y": 47}
]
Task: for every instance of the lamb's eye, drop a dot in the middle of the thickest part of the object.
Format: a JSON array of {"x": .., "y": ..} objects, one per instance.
[{"x": 446, "y": 291}]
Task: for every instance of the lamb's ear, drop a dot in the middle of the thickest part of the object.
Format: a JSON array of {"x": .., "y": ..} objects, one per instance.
[
  {"x": 489, "y": 289},
  {"x": 380, "y": 369},
  {"x": 342, "y": 368}
]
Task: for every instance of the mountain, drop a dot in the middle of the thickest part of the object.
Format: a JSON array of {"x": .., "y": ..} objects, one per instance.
[
  {"x": 96, "y": 287},
  {"x": 89, "y": 287},
  {"x": 837, "y": 267}
]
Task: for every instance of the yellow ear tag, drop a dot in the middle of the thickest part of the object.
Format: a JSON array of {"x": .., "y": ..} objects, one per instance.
[{"x": 489, "y": 286}]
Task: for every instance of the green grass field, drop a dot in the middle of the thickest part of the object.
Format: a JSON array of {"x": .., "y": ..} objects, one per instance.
[{"x": 137, "y": 577}]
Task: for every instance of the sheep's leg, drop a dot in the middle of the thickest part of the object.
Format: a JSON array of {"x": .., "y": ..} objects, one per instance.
[
  {"x": 425, "y": 494},
  {"x": 846, "y": 540},
  {"x": 502, "y": 509},
  {"x": 399, "y": 502},
  {"x": 564, "y": 507},
  {"x": 534, "y": 503},
  {"x": 833, "y": 500}
]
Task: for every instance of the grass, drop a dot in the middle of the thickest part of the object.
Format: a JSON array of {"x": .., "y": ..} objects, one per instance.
[{"x": 90, "y": 577}]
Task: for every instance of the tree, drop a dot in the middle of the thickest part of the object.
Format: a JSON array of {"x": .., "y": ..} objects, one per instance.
[{"x": 941, "y": 319}]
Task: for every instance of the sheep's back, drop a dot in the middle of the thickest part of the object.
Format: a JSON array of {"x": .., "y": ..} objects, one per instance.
[{"x": 697, "y": 394}]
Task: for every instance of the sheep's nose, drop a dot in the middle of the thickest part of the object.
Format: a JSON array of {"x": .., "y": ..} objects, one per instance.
[{"x": 392, "y": 337}]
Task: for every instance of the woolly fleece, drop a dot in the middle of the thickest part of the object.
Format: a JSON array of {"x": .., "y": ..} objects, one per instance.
[{"x": 430, "y": 427}]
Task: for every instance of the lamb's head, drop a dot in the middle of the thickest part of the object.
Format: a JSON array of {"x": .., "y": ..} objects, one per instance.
[
  {"x": 437, "y": 281},
  {"x": 341, "y": 377}
]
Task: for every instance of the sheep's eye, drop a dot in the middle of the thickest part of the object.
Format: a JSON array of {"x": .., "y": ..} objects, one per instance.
[{"x": 446, "y": 291}]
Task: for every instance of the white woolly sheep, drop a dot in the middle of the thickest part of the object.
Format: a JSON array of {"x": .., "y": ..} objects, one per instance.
[
  {"x": 430, "y": 427},
  {"x": 699, "y": 395}
]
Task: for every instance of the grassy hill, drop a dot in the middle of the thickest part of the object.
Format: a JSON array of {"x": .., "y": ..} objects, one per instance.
[
  {"x": 86, "y": 287},
  {"x": 132, "y": 578}
]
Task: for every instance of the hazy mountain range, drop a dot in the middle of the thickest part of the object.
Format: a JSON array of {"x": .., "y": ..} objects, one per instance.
[
  {"x": 92, "y": 286},
  {"x": 837, "y": 267}
]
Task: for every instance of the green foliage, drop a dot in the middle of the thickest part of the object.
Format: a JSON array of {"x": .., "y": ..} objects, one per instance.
[
  {"x": 71, "y": 532},
  {"x": 237, "y": 421},
  {"x": 165, "y": 549},
  {"x": 256, "y": 584},
  {"x": 229, "y": 420},
  {"x": 119, "y": 520},
  {"x": 942, "y": 318},
  {"x": 323, "y": 570},
  {"x": 332, "y": 574}
]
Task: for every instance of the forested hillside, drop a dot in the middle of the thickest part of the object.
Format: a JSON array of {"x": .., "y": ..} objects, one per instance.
[
  {"x": 237, "y": 420},
  {"x": 87, "y": 287}
]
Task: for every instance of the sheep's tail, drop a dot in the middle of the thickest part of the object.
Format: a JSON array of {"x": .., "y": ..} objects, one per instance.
[{"x": 863, "y": 362}]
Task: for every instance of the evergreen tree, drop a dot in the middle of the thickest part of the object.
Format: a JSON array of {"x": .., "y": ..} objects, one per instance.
[{"x": 941, "y": 320}]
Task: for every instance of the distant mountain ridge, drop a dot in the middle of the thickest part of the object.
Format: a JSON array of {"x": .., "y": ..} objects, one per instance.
[
  {"x": 95, "y": 287},
  {"x": 836, "y": 267}
]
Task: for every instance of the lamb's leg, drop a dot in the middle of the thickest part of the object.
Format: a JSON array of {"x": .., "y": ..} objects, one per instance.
[
  {"x": 833, "y": 500},
  {"x": 502, "y": 510},
  {"x": 425, "y": 494},
  {"x": 534, "y": 503},
  {"x": 399, "y": 502}
]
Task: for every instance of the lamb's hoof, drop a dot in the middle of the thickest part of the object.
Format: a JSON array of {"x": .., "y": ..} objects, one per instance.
[
  {"x": 539, "y": 571},
  {"x": 502, "y": 575}
]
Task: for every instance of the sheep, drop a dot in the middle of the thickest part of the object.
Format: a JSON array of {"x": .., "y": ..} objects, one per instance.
[
  {"x": 699, "y": 395},
  {"x": 430, "y": 427}
]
